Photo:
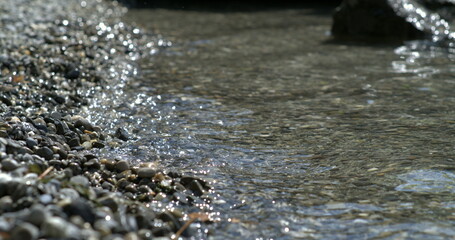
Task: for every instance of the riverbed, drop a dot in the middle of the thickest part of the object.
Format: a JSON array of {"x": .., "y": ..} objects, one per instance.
[{"x": 301, "y": 136}]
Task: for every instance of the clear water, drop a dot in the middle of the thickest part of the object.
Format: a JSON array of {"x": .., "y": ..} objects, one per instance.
[{"x": 301, "y": 137}]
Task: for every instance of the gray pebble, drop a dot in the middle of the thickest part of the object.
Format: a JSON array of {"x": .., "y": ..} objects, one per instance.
[
  {"x": 30, "y": 142},
  {"x": 56, "y": 115},
  {"x": 37, "y": 215},
  {"x": 45, "y": 199},
  {"x": 9, "y": 164},
  {"x": 57, "y": 227},
  {"x": 74, "y": 142},
  {"x": 122, "y": 165},
  {"x": 82, "y": 122},
  {"x": 122, "y": 134},
  {"x": 146, "y": 172},
  {"x": 109, "y": 202},
  {"x": 69, "y": 193},
  {"x": 196, "y": 187},
  {"x": 45, "y": 152},
  {"x": 25, "y": 231},
  {"x": 80, "y": 180}
]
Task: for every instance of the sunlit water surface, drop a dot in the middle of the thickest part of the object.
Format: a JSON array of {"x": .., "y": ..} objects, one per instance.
[{"x": 301, "y": 136}]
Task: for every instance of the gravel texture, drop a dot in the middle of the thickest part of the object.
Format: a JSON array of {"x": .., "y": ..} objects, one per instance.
[{"x": 55, "y": 56}]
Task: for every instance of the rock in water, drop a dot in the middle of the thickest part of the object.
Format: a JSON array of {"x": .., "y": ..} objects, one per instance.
[
  {"x": 122, "y": 134},
  {"x": 372, "y": 18}
]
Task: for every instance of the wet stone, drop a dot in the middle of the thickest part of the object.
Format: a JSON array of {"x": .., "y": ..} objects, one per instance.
[
  {"x": 45, "y": 199},
  {"x": 80, "y": 180},
  {"x": 25, "y": 231},
  {"x": 122, "y": 134},
  {"x": 9, "y": 164},
  {"x": 146, "y": 172},
  {"x": 37, "y": 215},
  {"x": 82, "y": 208},
  {"x": 180, "y": 197},
  {"x": 45, "y": 152},
  {"x": 69, "y": 193},
  {"x": 109, "y": 202},
  {"x": 57, "y": 227},
  {"x": 30, "y": 142},
  {"x": 122, "y": 165},
  {"x": 56, "y": 115},
  {"x": 74, "y": 142},
  {"x": 196, "y": 187},
  {"x": 82, "y": 122}
]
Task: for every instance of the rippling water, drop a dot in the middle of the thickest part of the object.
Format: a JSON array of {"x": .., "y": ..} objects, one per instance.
[{"x": 302, "y": 137}]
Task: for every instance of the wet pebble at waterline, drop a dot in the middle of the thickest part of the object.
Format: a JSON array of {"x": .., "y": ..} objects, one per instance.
[{"x": 54, "y": 56}]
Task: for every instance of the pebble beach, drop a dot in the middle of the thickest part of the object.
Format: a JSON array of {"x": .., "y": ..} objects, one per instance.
[{"x": 56, "y": 58}]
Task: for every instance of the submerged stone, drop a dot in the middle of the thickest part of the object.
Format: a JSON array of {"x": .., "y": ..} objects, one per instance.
[{"x": 372, "y": 19}]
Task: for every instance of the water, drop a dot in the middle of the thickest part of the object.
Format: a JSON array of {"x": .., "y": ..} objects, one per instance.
[{"x": 302, "y": 137}]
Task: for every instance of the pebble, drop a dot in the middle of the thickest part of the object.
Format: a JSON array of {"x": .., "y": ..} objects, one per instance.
[
  {"x": 122, "y": 165},
  {"x": 45, "y": 152},
  {"x": 81, "y": 208},
  {"x": 146, "y": 172},
  {"x": 82, "y": 122},
  {"x": 80, "y": 180},
  {"x": 109, "y": 202},
  {"x": 9, "y": 165},
  {"x": 69, "y": 193},
  {"x": 25, "y": 231},
  {"x": 57, "y": 227},
  {"x": 30, "y": 142},
  {"x": 196, "y": 188},
  {"x": 37, "y": 215},
  {"x": 122, "y": 134}
]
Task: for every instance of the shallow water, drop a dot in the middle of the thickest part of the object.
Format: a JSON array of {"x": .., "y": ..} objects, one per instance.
[{"x": 301, "y": 136}]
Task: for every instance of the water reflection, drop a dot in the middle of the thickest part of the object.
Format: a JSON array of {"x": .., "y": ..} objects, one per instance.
[
  {"x": 427, "y": 21},
  {"x": 301, "y": 139}
]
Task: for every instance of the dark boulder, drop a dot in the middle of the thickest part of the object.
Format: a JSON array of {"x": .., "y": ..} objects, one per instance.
[{"x": 372, "y": 18}]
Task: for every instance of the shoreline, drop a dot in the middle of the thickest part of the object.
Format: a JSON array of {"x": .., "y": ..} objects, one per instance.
[{"x": 56, "y": 59}]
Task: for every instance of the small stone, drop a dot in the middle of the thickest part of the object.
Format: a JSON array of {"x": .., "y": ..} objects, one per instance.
[
  {"x": 180, "y": 197},
  {"x": 109, "y": 202},
  {"x": 122, "y": 134},
  {"x": 80, "y": 180},
  {"x": 92, "y": 164},
  {"x": 37, "y": 215},
  {"x": 132, "y": 188},
  {"x": 169, "y": 217},
  {"x": 74, "y": 142},
  {"x": 25, "y": 231},
  {"x": 73, "y": 73},
  {"x": 30, "y": 142},
  {"x": 62, "y": 127},
  {"x": 122, "y": 165},
  {"x": 6, "y": 204},
  {"x": 196, "y": 187},
  {"x": 45, "y": 152},
  {"x": 82, "y": 208},
  {"x": 57, "y": 227},
  {"x": 82, "y": 122},
  {"x": 56, "y": 115},
  {"x": 87, "y": 145},
  {"x": 69, "y": 193},
  {"x": 45, "y": 199},
  {"x": 145, "y": 234},
  {"x": 9, "y": 164},
  {"x": 131, "y": 236},
  {"x": 161, "y": 231},
  {"x": 146, "y": 172}
]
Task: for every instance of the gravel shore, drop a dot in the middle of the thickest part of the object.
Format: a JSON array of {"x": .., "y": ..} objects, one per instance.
[{"x": 54, "y": 57}]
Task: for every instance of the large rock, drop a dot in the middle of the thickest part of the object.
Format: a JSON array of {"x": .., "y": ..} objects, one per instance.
[{"x": 372, "y": 18}]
